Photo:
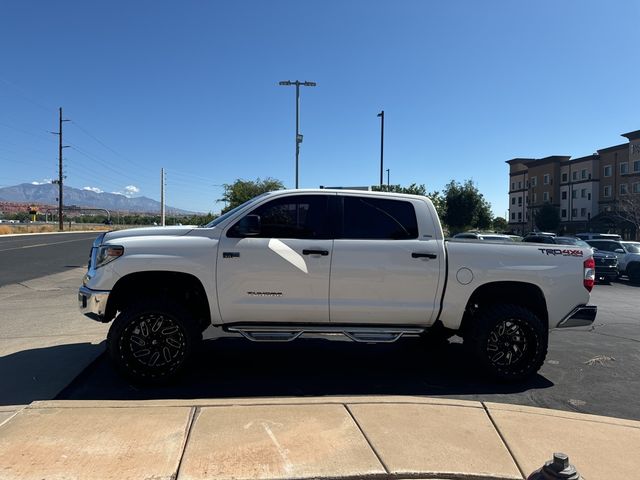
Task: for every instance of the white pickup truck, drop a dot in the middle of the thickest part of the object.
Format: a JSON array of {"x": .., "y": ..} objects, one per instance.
[{"x": 370, "y": 266}]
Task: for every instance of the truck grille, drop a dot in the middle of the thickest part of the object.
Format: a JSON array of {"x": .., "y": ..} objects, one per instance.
[{"x": 606, "y": 262}]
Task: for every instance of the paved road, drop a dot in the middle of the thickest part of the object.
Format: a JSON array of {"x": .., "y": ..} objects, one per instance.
[
  {"x": 592, "y": 370},
  {"x": 32, "y": 256}
]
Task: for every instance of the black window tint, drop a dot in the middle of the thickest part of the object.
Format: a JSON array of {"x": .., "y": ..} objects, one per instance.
[
  {"x": 303, "y": 216},
  {"x": 375, "y": 218},
  {"x": 603, "y": 245}
]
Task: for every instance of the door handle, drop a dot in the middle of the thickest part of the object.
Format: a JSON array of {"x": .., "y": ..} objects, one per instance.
[
  {"x": 324, "y": 253},
  {"x": 423, "y": 255}
]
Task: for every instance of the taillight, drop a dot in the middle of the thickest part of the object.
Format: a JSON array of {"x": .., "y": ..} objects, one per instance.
[{"x": 589, "y": 273}]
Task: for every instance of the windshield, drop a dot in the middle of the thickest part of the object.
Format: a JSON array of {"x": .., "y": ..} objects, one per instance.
[
  {"x": 231, "y": 212},
  {"x": 632, "y": 247}
]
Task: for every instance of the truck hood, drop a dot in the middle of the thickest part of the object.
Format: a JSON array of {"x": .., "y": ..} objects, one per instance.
[{"x": 147, "y": 232}]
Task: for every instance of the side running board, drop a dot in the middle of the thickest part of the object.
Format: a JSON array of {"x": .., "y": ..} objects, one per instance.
[{"x": 288, "y": 333}]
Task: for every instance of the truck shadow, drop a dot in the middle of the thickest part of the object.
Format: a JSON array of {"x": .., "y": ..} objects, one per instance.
[{"x": 233, "y": 367}]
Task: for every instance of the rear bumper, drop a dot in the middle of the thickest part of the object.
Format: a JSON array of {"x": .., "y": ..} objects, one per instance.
[
  {"x": 580, "y": 316},
  {"x": 93, "y": 303}
]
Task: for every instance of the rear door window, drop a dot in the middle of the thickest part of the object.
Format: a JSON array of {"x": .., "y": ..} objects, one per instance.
[{"x": 378, "y": 219}]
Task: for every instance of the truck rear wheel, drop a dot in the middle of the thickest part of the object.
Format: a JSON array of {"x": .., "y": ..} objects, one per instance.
[
  {"x": 151, "y": 341},
  {"x": 509, "y": 341}
]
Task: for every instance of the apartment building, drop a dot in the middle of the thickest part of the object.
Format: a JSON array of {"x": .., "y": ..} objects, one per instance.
[{"x": 587, "y": 191}]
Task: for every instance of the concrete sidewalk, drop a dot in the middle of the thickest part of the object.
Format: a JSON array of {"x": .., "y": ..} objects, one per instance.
[
  {"x": 44, "y": 340},
  {"x": 325, "y": 437}
]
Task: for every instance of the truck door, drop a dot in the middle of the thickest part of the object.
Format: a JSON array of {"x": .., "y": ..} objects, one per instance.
[
  {"x": 383, "y": 269},
  {"x": 281, "y": 273}
]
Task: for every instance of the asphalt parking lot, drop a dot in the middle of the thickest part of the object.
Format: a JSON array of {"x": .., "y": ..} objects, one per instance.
[{"x": 592, "y": 369}]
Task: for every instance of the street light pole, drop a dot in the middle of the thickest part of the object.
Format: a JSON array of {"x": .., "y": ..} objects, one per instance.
[
  {"x": 381, "y": 115},
  {"x": 297, "y": 83},
  {"x": 387, "y": 178}
]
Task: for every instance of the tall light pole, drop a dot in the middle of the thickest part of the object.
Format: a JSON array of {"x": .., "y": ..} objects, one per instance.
[
  {"x": 297, "y": 83},
  {"x": 381, "y": 115}
]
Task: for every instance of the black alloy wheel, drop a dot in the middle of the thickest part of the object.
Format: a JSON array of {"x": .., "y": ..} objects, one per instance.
[
  {"x": 509, "y": 341},
  {"x": 152, "y": 341}
]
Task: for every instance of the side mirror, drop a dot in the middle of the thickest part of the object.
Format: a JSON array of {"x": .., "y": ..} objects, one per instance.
[
  {"x": 249, "y": 226},
  {"x": 618, "y": 250}
]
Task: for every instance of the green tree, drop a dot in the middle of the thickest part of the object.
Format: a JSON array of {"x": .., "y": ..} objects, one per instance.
[
  {"x": 240, "y": 191},
  {"x": 465, "y": 207},
  {"x": 499, "y": 224},
  {"x": 547, "y": 218}
]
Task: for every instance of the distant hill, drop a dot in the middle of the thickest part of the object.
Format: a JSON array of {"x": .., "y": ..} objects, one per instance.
[{"x": 48, "y": 193}]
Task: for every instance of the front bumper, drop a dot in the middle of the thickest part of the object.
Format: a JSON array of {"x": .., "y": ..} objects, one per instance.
[
  {"x": 93, "y": 303},
  {"x": 581, "y": 316}
]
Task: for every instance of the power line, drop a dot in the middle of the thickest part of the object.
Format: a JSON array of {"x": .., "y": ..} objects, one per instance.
[{"x": 27, "y": 97}]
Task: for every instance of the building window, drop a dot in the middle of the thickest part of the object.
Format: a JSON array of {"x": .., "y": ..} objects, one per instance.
[
  {"x": 574, "y": 176},
  {"x": 565, "y": 177},
  {"x": 583, "y": 193},
  {"x": 607, "y": 171},
  {"x": 623, "y": 189},
  {"x": 574, "y": 212},
  {"x": 564, "y": 213},
  {"x": 574, "y": 193},
  {"x": 546, "y": 179},
  {"x": 583, "y": 173},
  {"x": 526, "y": 200},
  {"x": 607, "y": 191},
  {"x": 534, "y": 181},
  {"x": 636, "y": 166},
  {"x": 519, "y": 185},
  {"x": 635, "y": 188},
  {"x": 519, "y": 215},
  {"x": 589, "y": 196},
  {"x": 583, "y": 212},
  {"x": 513, "y": 185},
  {"x": 545, "y": 196},
  {"x": 519, "y": 201},
  {"x": 624, "y": 168},
  {"x": 564, "y": 195},
  {"x": 513, "y": 216},
  {"x": 513, "y": 200}
]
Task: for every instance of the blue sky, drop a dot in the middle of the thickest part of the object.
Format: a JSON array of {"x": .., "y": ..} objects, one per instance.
[{"x": 192, "y": 86}]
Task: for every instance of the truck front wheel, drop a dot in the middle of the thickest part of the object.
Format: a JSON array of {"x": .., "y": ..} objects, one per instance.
[
  {"x": 509, "y": 341},
  {"x": 152, "y": 340}
]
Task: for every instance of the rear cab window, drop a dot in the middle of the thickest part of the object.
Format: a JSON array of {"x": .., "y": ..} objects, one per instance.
[{"x": 370, "y": 218}]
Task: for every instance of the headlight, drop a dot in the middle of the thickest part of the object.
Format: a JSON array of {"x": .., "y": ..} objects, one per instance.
[{"x": 108, "y": 253}]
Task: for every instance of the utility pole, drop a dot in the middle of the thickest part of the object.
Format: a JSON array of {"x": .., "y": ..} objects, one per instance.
[
  {"x": 162, "y": 222},
  {"x": 297, "y": 83},
  {"x": 60, "y": 174},
  {"x": 381, "y": 115},
  {"x": 387, "y": 178}
]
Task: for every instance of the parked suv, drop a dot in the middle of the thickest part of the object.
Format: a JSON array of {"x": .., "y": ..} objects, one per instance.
[
  {"x": 606, "y": 263},
  {"x": 628, "y": 254}
]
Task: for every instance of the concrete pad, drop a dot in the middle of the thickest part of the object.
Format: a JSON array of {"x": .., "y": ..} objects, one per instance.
[
  {"x": 548, "y": 412},
  {"x": 597, "y": 449},
  {"x": 273, "y": 442},
  {"x": 8, "y": 411},
  {"x": 95, "y": 443},
  {"x": 435, "y": 440}
]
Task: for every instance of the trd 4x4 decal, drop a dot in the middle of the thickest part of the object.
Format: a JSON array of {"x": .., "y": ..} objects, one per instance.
[{"x": 558, "y": 251}]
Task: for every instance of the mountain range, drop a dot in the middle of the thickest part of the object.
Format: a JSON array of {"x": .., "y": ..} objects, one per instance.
[{"x": 48, "y": 193}]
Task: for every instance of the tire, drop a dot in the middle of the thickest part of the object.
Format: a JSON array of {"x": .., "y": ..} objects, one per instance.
[
  {"x": 152, "y": 341},
  {"x": 509, "y": 342},
  {"x": 633, "y": 271}
]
